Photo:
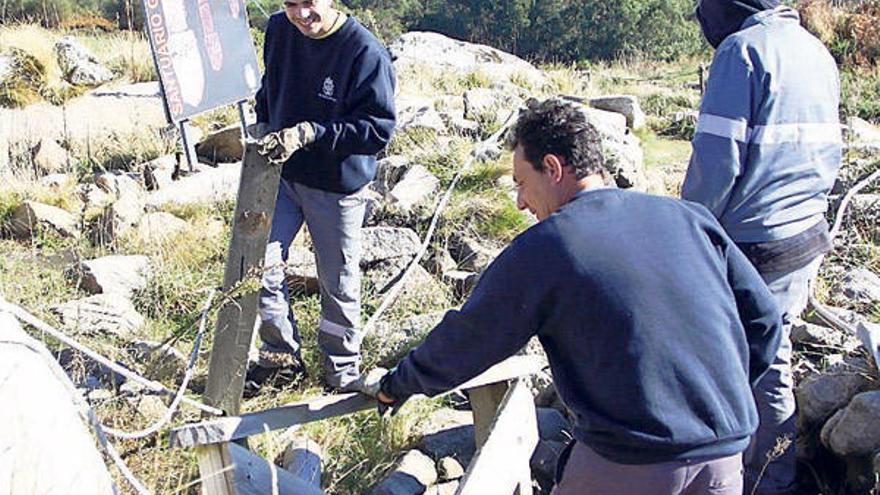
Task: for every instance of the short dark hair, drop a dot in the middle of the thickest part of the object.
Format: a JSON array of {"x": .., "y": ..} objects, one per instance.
[{"x": 559, "y": 127}]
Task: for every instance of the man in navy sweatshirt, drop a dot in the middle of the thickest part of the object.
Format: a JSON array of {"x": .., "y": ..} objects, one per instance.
[
  {"x": 654, "y": 323},
  {"x": 325, "y": 108},
  {"x": 766, "y": 152}
]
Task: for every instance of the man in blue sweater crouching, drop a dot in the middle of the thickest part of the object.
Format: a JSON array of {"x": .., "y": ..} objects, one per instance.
[{"x": 655, "y": 325}]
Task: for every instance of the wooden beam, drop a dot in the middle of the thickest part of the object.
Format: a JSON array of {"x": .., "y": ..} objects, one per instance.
[
  {"x": 485, "y": 401},
  {"x": 501, "y": 465},
  {"x": 236, "y": 427},
  {"x": 302, "y": 458},
  {"x": 254, "y": 207},
  {"x": 255, "y": 475},
  {"x": 216, "y": 470}
]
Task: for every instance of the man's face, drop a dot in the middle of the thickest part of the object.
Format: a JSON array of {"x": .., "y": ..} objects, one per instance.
[
  {"x": 536, "y": 190},
  {"x": 313, "y": 18}
]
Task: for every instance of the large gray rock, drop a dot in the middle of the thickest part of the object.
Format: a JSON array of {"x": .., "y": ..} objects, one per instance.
[
  {"x": 389, "y": 171},
  {"x": 385, "y": 243},
  {"x": 49, "y": 157},
  {"x": 819, "y": 396},
  {"x": 861, "y": 286},
  {"x": 119, "y": 217},
  {"x": 448, "y": 488},
  {"x": 448, "y": 433},
  {"x": 412, "y": 476},
  {"x": 449, "y": 469},
  {"x": 471, "y": 254},
  {"x": 416, "y": 185},
  {"x": 160, "y": 227},
  {"x": 461, "y": 281},
  {"x": 31, "y": 218},
  {"x": 623, "y": 153},
  {"x": 626, "y": 105},
  {"x": 421, "y": 117},
  {"x": 121, "y": 275},
  {"x": 223, "y": 146},
  {"x": 209, "y": 185},
  {"x": 101, "y": 314},
  {"x": 47, "y": 445},
  {"x": 435, "y": 50},
  {"x": 398, "y": 337},
  {"x": 489, "y": 106},
  {"x": 861, "y": 130},
  {"x": 78, "y": 65},
  {"x": 852, "y": 431}
]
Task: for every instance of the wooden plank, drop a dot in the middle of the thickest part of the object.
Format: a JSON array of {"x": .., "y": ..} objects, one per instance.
[
  {"x": 216, "y": 470},
  {"x": 236, "y": 427},
  {"x": 257, "y": 476},
  {"x": 501, "y": 464},
  {"x": 485, "y": 401},
  {"x": 254, "y": 207},
  {"x": 302, "y": 458}
]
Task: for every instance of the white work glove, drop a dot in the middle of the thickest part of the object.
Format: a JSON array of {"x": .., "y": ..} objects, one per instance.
[
  {"x": 278, "y": 146},
  {"x": 257, "y": 131}
]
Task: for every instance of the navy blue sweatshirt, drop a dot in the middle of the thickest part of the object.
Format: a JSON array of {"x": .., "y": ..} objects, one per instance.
[
  {"x": 654, "y": 323},
  {"x": 344, "y": 85}
]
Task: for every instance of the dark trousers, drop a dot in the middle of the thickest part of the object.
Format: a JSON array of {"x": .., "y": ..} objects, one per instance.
[{"x": 588, "y": 473}]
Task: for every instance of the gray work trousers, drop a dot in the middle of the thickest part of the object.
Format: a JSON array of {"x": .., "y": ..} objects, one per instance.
[
  {"x": 774, "y": 394},
  {"x": 588, "y": 473},
  {"x": 334, "y": 221}
]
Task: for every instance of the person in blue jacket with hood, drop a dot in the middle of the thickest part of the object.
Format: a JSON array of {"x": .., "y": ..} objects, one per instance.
[
  {"x": 324, "y": 110},
  {"x": 766, "y": 152}
]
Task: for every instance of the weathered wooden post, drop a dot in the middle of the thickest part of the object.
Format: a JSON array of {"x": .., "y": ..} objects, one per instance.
[{"x": 235, "y": 323}]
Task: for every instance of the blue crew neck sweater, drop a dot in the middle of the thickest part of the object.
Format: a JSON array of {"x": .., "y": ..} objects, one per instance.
[
  {"x": 344, "y": 85},
  {"x": 654, "y": 323}
]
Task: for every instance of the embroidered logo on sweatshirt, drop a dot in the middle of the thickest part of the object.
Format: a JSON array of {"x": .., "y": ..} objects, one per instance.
[{"x": 327, "y": 89}]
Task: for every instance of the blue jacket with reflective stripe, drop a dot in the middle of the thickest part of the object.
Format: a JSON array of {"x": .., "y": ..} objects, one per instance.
[{"x": 768, "y": 141}]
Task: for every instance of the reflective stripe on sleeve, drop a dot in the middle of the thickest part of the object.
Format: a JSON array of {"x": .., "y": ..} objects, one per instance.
[
  {"x": 723, "y": 127},
  {"x": 796, "y": 133}
]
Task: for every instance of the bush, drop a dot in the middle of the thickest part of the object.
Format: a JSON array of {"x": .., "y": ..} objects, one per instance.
[
  {"x": 27, "y": 78},
  {"x": 860, "y": 93}
]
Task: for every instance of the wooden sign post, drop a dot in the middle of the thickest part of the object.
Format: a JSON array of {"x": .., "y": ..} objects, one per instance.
[{"x": 257, "y": 191}]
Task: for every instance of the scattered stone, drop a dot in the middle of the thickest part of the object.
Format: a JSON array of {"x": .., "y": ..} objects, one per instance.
[
  {"x": 849, "y": 433},
  {"x": 223, "y": 146},
  {"x": 626, "y": 105},
  {"x": 49, "y": 157},
  {"x": 118, "y": 218},
  {"x": 86, "y": 372},
  {"x": 821, "y": 395},
  {"x": 101, "y": 314},
  {"x": 385, "y": 243},
  {"x": 422, "y": 117},
  {"x": 439, "y": 261},
  {"x": 150, "y": 407},
  {"x": 462, "y": 282},
  {"x": 414, "y": 48},
  {"x": 809, "y": 334},
  {"x": 116, "y": 274},
  {"x": 160, "y": 226},
  {"x": 449, "y": 469},
  {"x": 31, "y": 218},
  {"x": 389, "y": 171},
  {"x": 399, "y": 337},
  {"x": 132, "y": 388},
  {"x": 623, "y": 153},
  {"x": 56, "y": 181},
  {"x": 160, "y": 362},
  {"x": 120, "y": 185},
  {"x": 448, "y": 433},
  {"x": 471, "y": 255},
  {"x": 209, "y": 185},
  {"x": 862, "y": 130},
  {"x": 862, "y": 286},
  {"x": 78, "y": 65},
  {"x": 489, "y": 106},
  {"x": 160, "y": 172},
  {"x": 301, "y": 270},
  {"x": 415, "y": 185},
  {"x": 487, "y": 152},
  {"x": 413, "y": 475}
]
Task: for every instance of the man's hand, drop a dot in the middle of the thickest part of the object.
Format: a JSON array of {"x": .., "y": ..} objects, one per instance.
[
  {"x": 369, "y": 383},
  {"x": 278, "y": 146},
  {"x": 257, "y": 131}
]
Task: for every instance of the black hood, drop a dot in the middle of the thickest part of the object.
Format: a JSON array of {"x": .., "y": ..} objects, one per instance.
[{"x": 721, "y": 18}]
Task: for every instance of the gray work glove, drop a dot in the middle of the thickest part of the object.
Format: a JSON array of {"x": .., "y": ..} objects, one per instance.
[
  {"x": 257, "y": 131},
  {"x": 369, "y": 383},
  {"x": 278, "y": 146}
]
